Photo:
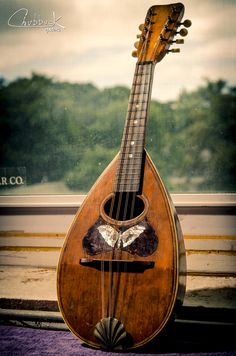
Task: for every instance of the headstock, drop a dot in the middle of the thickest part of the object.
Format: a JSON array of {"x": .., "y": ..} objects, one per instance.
[{"x": 158, "y": 32}]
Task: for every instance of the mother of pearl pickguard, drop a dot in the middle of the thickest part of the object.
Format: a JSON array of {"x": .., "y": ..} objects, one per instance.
[{"x": 139, "y": 239}]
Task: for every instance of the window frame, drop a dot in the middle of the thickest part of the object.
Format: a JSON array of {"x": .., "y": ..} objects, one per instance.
[{"x": 219, "y": 203}]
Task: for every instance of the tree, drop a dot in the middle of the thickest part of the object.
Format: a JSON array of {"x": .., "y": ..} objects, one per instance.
[
  {"x": 204, "y": 136},
  {"x": 69, "y": 132}
]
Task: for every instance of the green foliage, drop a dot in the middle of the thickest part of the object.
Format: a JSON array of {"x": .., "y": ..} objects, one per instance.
[
  {"x": 205, "y": 132},
  {"x": 69, "y": 132},
  {"x": 93, "y": 163}
]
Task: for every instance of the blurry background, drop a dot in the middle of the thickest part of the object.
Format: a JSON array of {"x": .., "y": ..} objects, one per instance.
[{"x": 64, "y": 91}]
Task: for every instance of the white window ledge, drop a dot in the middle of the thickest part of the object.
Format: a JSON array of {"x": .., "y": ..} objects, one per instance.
[{"x": 74, "y": 201}]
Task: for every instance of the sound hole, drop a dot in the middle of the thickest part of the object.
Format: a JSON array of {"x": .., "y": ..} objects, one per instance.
[{"x": 124, "y": 206}]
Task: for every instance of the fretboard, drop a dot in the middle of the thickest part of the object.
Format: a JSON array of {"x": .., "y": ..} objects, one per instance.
[{"x": 128, "y": 176}]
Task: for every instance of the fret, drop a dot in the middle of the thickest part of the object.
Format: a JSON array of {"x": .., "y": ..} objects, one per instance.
[
  {"x": 128, "y": 154},
  {"x": 128, "y": 188},
  {"x": 132, "y": 151},
  {"x": 128, "y": 160},
  {"x": 134, "y": 141},
  {"x": 139, "y": 97},
  {"x": 126, "y": 179},
  {"x": 141, "y": 74},
  {"x": 136, "y": 114},
  {"x": 129, "y": 179},
  {"x": 129, "y": 173},
  {"x": 135, "y": 134},
  {"x": 136, "y": 101},
  {"x": 134, "y": 124},
  {"x": 125, "y": 161},
  {"x": 140, "y": 71},
  {"x": 136, "y": 110},
  {"x": 133, "y": 154},
  {"x": 140, "y": 102},
  {"x": 125, "y": 174},
  {"x": 136, "y": 118},
  {"x": 137, "y": 104},
  {"x": 132, "y": 146},
  {"x": 135, "y": 146},
  {"x": 136, "y": 165},
  {"x": 133, "y": 115},
  {"x": 134, "y": 137},
  {"x": 140, "y": 84},
  {"x": 127, "y": 165},
  {"x": 140, "y": 93},
  {"x": 128, "y": 184}
]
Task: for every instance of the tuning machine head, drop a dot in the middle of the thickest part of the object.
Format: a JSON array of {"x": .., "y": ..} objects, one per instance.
[
  {"x": 173, "y": 50},
  {"x": 183, "y": 32},
  {"x": 178, "y": 41},
  {"x": 186, "y": 23},
  {"x": 142, "y": 27},
  {"x": 141, "y": 38}
]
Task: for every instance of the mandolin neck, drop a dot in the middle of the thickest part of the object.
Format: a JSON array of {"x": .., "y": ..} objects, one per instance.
[{"x": 129, "y": 171}]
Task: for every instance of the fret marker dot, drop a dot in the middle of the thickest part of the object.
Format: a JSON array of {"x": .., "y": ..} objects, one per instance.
[
  {"x": 137, "y": 106},
  {"x": 130, "y": 155},
  {"x": 132, "y": 143},
  {"x": 135, "y": 122}
]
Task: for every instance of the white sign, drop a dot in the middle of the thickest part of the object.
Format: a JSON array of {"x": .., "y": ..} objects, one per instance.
[{"x": 12, "y": 176}]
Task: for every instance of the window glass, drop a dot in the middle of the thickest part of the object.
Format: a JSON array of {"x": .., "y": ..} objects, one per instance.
[{"x": 66, "y": 72}]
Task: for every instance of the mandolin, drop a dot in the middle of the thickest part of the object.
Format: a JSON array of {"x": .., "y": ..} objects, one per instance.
[{"x": 121, "y": 273}]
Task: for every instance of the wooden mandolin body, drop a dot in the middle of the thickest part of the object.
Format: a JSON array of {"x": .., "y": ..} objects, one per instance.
[{"x": 142, "y": 289}]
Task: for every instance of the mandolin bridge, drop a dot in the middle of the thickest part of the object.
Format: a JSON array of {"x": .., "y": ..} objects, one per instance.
[{"x": 117, "y": 265}]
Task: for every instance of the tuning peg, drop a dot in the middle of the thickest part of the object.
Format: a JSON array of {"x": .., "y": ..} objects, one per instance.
[
  {"x": 178, "y": 41},
  {"x": 136, "y": 44},
  {"x": 141, "y": 37},
  {"x": 162, "y": 38},
  {"x": 135, "y": 54},
  {"x": 183, "y": 32},
  {"x": 170, "y": 20},
  {"x": 149, "y": 22},
  {"x": 174, "y": 50},
  {"x": 141, "y": 27},
  {"x": 167, "y": 29},
  {"x": 186, "y": 23}
]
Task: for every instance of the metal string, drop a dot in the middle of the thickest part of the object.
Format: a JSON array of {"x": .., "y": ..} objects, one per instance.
[{"x": 110, "y": 309}]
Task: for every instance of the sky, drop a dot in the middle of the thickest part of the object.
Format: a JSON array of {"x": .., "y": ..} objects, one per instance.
[{"x": 95, "y": 41}]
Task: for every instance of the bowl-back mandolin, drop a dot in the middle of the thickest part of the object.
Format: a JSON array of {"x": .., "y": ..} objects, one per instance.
[{"x": 121, "y": 272}]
